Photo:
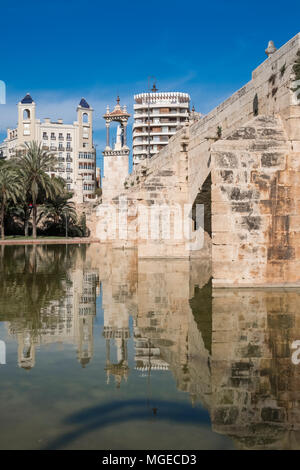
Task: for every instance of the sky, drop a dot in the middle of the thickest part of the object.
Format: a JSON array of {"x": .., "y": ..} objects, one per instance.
[{"x": 63, "y": 50}]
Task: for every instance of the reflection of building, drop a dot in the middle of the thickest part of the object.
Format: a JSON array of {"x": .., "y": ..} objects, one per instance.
[
  {"x": 68, "y": 320},
  {"x": 71, "y": 143},
  {"x": 119, "y": 301},
  {"x": 165, "y": 332},
  {"x": 147, "y": 356}
]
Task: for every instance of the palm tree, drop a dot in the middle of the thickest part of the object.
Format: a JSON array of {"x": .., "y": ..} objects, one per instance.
[
  {"x": 57, "y": 207},
  {"x": 34, "y": 164},
  {"x": 10, "y": 189}
]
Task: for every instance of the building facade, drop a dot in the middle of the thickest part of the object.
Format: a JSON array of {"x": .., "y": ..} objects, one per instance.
[
  {"x": 71, "y": 143},
  {"x": 157, "y": 117}
]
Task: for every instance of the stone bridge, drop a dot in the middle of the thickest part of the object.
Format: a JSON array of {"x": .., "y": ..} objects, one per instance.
[{"x": 242, "y": 161}]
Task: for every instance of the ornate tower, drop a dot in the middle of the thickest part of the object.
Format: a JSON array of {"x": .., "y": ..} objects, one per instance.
[{"x": 116, "y": 159}]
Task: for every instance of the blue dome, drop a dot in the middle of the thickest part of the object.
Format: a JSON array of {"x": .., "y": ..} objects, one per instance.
[
  {"x": 83, "y": 103},
  {"x": 27, "y": 99}
]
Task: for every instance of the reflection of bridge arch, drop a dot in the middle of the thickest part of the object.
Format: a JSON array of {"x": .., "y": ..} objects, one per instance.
[{"x": 2, "y": 352}]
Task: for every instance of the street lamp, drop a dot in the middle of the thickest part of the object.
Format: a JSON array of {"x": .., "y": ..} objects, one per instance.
[{"x": 66, "y": 220}]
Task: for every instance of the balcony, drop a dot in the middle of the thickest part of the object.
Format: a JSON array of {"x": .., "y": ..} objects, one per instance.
[
  {"x": 45, "y": 137},
  {"x": 69, "y": 159},
  {"x": 61, "y": 148},
  {"x": 53, "y": 137},
  {"x": 69, "y": 149},
  {"x": 69, "y": 138},
  {"x": 61, "y": 137},
  {"x": 69, "y": 170}
]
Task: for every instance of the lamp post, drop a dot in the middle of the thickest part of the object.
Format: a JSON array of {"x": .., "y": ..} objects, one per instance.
[{"x": 66, "y": 219}]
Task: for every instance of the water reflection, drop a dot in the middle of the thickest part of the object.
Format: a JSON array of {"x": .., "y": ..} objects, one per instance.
[
  {"x": 54, "y": 299},
  {"x": 229, "y": 351}
]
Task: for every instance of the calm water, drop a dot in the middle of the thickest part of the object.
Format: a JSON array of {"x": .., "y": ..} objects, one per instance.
[{"x": 102, "y": 351}]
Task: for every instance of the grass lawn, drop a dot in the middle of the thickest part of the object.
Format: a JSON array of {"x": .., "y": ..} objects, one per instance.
[{"x": 22, "y": 237}]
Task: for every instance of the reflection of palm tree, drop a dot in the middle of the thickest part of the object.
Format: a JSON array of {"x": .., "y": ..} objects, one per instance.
[{"x": 33, "y": 276}]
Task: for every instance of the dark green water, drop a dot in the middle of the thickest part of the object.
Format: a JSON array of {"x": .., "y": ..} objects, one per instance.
[{"x": 103, "y": 351}]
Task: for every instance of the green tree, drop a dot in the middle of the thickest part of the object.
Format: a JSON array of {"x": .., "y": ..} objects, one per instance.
[
  {"x": 33, "y": 164},
  {"x": 10, "y": 189},
  {"x": 56, "y": 207}
]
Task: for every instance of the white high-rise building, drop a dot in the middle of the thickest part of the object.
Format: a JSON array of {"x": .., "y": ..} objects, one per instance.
[
  {"x": 157, "y": 117},
  {"x": 71, "y": 143}
]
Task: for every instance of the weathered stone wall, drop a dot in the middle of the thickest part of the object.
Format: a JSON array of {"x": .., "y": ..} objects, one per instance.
[
  {"x": 255, "y": 206},
  {"x": 115, "y": 173}
]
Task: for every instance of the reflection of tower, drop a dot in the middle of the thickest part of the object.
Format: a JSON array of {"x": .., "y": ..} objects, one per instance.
[
  {"x": 85, "y": 346},
  {"x": 119, "y": 301},
  {"x": 120, "y": 368},
  {"x": 26, "y": 350},
  {"x": 115, "y": 160},
  {"x": 87, "y": 312}
]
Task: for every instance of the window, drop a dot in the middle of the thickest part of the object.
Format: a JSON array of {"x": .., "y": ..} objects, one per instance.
[
  {"x": 26, "y": 129},
  {"x": 26, "y": 114},
  {"x": 85, "y": 118}
]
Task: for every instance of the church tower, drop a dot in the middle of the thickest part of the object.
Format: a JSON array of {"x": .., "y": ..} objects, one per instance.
[
  {"x": 116, "y": 159},
  {"x": 85, "y": 122},
  {"x": 26, "y": 120},
  {"x": 85, "y": 170}
]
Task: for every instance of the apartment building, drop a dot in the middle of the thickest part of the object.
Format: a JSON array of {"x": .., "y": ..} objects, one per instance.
[
  {"x": 157, "y": 117},
  {"x": 71, "y": 143}
]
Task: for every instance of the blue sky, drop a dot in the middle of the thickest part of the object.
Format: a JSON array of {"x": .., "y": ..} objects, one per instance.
[{"x": 60, "y": 51}]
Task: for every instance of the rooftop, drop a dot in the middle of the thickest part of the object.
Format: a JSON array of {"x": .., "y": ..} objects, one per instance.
[
  {"x": 84, "y": 104},
  {"x": 27, "y": 99}
]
